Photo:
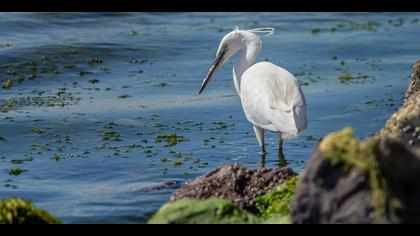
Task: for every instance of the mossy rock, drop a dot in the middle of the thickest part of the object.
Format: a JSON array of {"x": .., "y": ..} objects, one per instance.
[
  {"x": 275, "y": 206},
  {"x": 19, "y": 211},
  {"x": 343, "y": 149},
  {"x": 352, "y": 181},
  {"x": 209, "y": 211}
]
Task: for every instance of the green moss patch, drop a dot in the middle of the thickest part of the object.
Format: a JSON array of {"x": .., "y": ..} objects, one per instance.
[
  {"x": 19, "y": 211},
  {"x": 170, "y": 139},
  {"x": 7, "y": 84},
  {"x": 210, "y": 211},
  {"x": 277, "y": 203},
  {"x": 345, "y": 78},
  {"x": 16, "y": 171}
]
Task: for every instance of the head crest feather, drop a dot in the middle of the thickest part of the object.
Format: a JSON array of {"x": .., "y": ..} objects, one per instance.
[{"x": 268, "y": 30}]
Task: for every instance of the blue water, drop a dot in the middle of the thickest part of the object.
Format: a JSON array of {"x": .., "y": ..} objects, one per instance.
[{"x": 159, "y": 60}]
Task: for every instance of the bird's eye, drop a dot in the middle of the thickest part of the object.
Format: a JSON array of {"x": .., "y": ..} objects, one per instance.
[{"x": 225, "y": 46}]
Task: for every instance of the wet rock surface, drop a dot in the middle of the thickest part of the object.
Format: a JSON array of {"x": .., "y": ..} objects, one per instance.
[
  {"x": 236, "y": 183},
  {"x": 317, "y": 199},
  {"x": 386, "y": 191},
  {"x": 405, "y": 124},
  {"x": 414, "y": 87},
  {"x": 165, "y": 185}
]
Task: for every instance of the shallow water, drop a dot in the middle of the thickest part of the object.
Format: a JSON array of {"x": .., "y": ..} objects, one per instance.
[{"x": 89, "y": 153}]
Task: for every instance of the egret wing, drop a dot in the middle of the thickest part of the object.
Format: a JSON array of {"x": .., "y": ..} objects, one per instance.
[{"x": 272, "y": 98}]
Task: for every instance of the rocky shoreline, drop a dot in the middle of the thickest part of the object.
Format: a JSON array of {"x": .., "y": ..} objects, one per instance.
[{"x": 345, "y": 181}]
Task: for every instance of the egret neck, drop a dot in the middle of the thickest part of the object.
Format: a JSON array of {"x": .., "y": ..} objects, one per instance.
[{"x": 249, "y": 52}]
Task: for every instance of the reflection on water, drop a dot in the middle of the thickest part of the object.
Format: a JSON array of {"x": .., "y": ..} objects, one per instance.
[
  {"x": 281, "y": 161},
  {"x": 98, "y": 108}
]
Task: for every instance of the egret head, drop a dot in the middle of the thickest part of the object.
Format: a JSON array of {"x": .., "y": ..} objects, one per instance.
[{"x": 230, "y": 44}]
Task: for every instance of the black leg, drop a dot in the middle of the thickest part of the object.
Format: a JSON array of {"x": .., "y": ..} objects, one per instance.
[
  {"x": 263, "y": 150},
  {"x": 262, "y": 159}
]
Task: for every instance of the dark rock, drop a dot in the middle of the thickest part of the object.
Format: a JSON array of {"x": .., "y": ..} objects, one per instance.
[
  {"x": 235, "y": 183},
  {"x": 330, "y": 194},
  {"x": 347, "y": 181},
  {"x": 405, "y": 124},
  {"x": 400, "y": 165},
  {"x": 165, "y": 185}
]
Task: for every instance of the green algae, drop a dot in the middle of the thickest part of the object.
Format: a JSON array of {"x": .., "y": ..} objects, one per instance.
[
  {"x": 176, "y": 154},
  {"x": 368, "y": 26},
  {"x": 68, "y": 66},
  {"x": 7, "y": 84},
  {"x": 38, "y": 130},
  {"x": 20, "y": 79},
  {"x": 277, "y": 202},
  {"x": 162, "y": 84},
  {"x": 95, "y": 61},
  {"x": 345, "y": 78},
  {"x": 170, "y": 139},
  {"x": 16, "y": 171},
  {"x": 111, "y": 136},
  {"x": 220, "y": 125},
  {"x": 19, "y": 211},
  {"x": 210, "y": 211},
  {"x": 94, "y": 81},
  {"x": 178, "y": 163},
  {"x": 20, "y": 161},
  {"x": 16, "y": 161},
  {"x": 123, "y": 96},
  {"x": 316, "y": 31},
  {"x": 164, "y": 159},
  {"x": 56, "y": 158},
  {"x": 134, "y": 33},
  {"x": 60, "y": 98},
  {"x": 309, "y": 138}
]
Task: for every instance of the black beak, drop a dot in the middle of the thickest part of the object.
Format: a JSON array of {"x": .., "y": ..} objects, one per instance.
[{"x": 213, "y": 68}]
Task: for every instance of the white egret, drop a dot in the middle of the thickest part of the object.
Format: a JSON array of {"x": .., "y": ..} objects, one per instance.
[{"x": 271, "y": 97}]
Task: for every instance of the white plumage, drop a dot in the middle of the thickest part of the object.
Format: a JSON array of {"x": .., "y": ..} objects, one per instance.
[
  {"x": 271, "y": 96},
  {"x": 272, "y": 100}
]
